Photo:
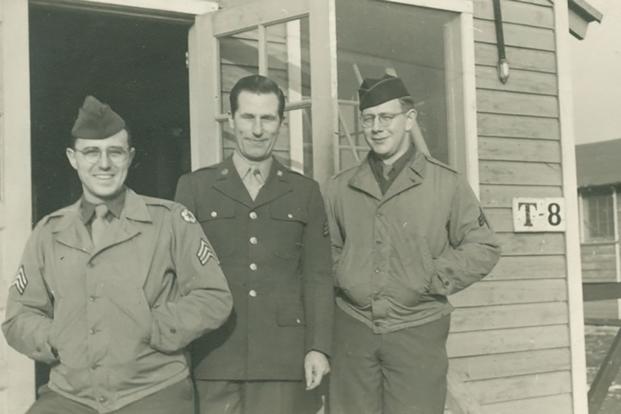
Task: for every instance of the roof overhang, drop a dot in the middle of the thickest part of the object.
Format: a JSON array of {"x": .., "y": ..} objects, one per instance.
[{"x": 581, "y": 14}]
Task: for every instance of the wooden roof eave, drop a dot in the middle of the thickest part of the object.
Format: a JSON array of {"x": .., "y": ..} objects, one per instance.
[{"x": 581, "y": 13}]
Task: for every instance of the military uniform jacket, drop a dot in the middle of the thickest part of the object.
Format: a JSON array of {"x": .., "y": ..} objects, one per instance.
[
  {"x": 275, "y": 254},
  {"x": 398, "y": 255},
  {"x": 119, "y": 316}
]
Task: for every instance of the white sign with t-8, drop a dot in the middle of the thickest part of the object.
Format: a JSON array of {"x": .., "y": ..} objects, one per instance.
[{"x": 538, "y": 214}]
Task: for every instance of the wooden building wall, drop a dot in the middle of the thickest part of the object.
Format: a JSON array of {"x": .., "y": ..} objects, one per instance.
[
  {"x": 510, "y": 335},
  {"x": 599, "y": 263}
]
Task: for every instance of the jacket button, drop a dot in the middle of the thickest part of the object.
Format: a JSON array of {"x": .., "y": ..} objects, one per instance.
[
  {"x": 92, "y": 331},
  {"x": 102, "y": 399},
  {"x": 290, "y": 215},
  {"x": 253, "y": 215},
  {"x": 377, "y": 270},
  {"x": 253, "y": 240},
  {"x": 91, "y": 298},
  {"x": 214, "y": 214},
  {"x": 253, "y": 293},
  {"x": 253, "y": 267}
]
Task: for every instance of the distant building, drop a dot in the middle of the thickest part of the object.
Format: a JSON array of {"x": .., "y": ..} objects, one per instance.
[{"x": 599, "y": 191}]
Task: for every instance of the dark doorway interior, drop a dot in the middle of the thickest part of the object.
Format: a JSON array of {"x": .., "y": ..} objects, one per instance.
[
  {"x": 137, "y": 65},
  {"x": 134, "y": 64}
]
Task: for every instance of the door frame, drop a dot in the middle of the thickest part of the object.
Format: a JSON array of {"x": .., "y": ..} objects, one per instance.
[{"x": 18, "y": 373}]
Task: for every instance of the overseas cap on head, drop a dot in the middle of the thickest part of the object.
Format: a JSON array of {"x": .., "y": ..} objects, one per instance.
[
  {"x": 373, "y": 92},
  {"x": 96, "y": 120}
]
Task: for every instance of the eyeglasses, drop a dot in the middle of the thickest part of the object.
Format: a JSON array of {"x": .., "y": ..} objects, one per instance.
[
  {"x": 384, "y": 119},
  {"x": 117, "y": 155}
]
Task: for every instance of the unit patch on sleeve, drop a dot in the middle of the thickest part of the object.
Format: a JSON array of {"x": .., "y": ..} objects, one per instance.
[
  {"x": 187, "y": 215},
  {"x": 21, "y": 281},
  {"x": 205, "y": 252}
]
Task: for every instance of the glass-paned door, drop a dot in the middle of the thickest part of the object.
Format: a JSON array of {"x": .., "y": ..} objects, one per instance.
[
  {"x": 419, "y": 44},
  {"x": 273, "y": 42}
]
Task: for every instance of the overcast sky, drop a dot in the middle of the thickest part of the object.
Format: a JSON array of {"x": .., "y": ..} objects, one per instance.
[{"x": 596, "y": 73}]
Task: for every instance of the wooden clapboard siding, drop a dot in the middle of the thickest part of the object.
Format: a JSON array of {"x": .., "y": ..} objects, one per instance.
[
  {"x": 522, "y": 386},
  {"x": 599, "y": 263},
  {"x": 534, "y": 60},
  {"x": 545, "y": 3},
  {"x": 501, "y": 219},
  {"x": 499, "y": 195},
  {"x": 475, "y": 343},
  {"x": 521, "y": 81},
  {"x": 512, "y": 126},
  {"x": 519, "y": 173},
  {"x": 513, "y": 103},
  {"x": 602, "y": 309},
  {"x": 515, "y": 35},
  {"x": 509, "y": 316},
  {"x": 561, "y": 403},
  {"x": 529, "y": 267},
  {"x": 487, "y": 293},
  {"x": 516, "y": 12},
  {"x": 513, "y": 149},
  {"x": 510, "y": 332},
  {"x": 526, "y": 244},
  {"x": 515, "y": 363}
]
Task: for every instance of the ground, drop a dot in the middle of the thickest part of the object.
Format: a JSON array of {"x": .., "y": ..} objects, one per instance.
[{"x": 598, "y": 340}]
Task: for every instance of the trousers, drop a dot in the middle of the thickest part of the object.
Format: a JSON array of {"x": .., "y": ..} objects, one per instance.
[
  {"x": 402, "y": 372},
  {"x": 256, "y": 397}
]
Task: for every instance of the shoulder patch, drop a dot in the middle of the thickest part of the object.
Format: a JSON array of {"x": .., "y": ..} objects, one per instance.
[
  {"x": 187, "y": 216},
  {"x": 441, "y": 164},
  {"x": 21, "y": 281}
]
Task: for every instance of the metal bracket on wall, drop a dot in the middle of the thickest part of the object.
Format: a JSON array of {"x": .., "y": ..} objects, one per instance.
[{"x": 503, "y": 63}]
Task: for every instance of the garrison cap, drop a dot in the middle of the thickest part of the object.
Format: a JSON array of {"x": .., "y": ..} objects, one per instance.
[
  {"x": 96, "y": 120},
  {"x": 373, "y": 92}
]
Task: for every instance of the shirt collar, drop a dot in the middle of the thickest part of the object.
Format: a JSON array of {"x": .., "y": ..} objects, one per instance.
[
  {"x": 243, "y": 165},
  {"x": 377, "y": 164},
  {"x": 115, "y": 206}
]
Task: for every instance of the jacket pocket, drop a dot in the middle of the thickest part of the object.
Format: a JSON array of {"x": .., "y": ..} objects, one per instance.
[
  {"x": 218, "y": 218},
  {"x": 287, "y": 230},
  {"x": 414, "y": 263}
]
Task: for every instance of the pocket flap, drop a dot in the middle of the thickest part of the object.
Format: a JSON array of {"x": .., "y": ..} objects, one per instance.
[
  {"x": 216, "y": 209},
  {"x": 289, "y": 213}
]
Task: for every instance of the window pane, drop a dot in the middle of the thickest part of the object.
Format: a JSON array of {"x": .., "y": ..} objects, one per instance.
[
  {"x": 239, "y": 57},
  {"x": 414, "y": 46},
  {"x": 599, "y": 221}
]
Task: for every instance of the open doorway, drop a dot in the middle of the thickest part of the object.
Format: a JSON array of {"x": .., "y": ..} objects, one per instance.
[{"x": 135, "y": 64}]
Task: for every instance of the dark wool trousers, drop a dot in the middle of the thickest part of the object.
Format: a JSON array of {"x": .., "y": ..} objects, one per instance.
[{"x": 402, "y": 372}]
